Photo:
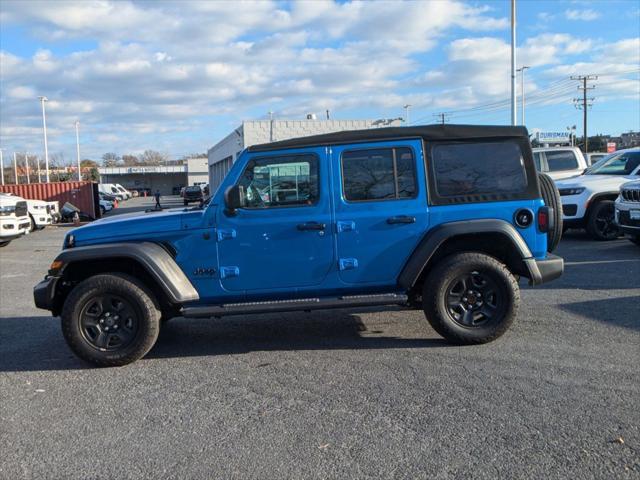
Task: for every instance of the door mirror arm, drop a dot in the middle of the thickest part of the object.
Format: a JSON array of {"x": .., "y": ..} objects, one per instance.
[{"x": 234, "y": 198}]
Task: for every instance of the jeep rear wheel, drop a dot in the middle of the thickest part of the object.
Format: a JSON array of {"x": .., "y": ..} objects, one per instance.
[
  {"x": 110, "y": 320},
  {"x": 470, "y": 298},
  {"x": 551, "y": 197},
  {"x": 601, "y": 222}
]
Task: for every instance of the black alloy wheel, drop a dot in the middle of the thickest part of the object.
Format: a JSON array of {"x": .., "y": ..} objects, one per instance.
[
  {"x": 474, "y": 299},
  {"x": 601, "y": 224},
  {"x": 108, "y": 322}
]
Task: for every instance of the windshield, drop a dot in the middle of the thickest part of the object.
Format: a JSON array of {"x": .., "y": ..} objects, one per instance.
[
  {"x": 621, "y": 163},
  {"x": 192, "y": 189}
]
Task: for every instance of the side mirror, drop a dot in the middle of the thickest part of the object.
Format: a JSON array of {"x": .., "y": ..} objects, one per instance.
[{"x": 234, "y": 198}]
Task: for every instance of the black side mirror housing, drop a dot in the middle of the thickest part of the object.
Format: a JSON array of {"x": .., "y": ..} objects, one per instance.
[{"x": 234, "y": 198}]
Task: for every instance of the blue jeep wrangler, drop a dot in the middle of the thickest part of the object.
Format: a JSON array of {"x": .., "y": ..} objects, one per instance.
[{"x": 440, "y": 218}]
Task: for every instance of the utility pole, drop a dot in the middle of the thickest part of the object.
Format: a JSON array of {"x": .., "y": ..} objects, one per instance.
[
  {"x": 78, "y": 149},
  {"x": 584, "y": 103},
  {"x": 15, "y": 167},
  {"x": 46, "y": 148},
  {"x": 522, "y": 69},
  {"x": 406, "y": 114},
  {"x": 443, "y": 116},
  {"x": 1, "y": 167},
  {"x": 514, "y": 109}
]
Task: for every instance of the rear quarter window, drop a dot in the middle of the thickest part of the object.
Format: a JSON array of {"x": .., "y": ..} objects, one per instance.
[
  {"x": 559, "y": 161},
  {"x": 478, "y": 171}
]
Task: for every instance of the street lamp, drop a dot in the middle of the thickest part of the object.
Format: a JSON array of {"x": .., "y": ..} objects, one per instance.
[
  {"x": 522, "y": 69},
  {"x": 406, "y": 113},
  {"x": 78, "y": 149},
  {"x": 44, "y": 126}
]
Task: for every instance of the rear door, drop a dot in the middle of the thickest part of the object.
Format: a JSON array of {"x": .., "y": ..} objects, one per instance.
[{"x": 380, "y": 208}]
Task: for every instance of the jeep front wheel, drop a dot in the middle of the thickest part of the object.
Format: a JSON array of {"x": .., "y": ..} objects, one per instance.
[
  {"x": 470, "y": 298},
  {"x": 110, "y": 320}
]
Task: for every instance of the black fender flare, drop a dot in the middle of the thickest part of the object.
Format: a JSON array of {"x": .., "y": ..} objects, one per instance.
[
  {"x": 158, "y": 263},
  {"x": 438, "y": 235}
]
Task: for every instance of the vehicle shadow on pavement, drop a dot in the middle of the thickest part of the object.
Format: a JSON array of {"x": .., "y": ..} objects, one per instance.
[
  {"x": 329, "y": 330},
  {"x": 36, "y": 343},
  {"x": 619, "y": 311}
]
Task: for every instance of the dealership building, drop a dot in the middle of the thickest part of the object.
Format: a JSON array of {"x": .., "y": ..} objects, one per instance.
[
  {"x": 169, "y": 179},
  {"x": 223, "y": 154}
]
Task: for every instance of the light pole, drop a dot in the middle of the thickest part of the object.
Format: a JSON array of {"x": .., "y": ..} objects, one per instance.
[
  {"x": 78, "y": 149},
  {"x": 572, "y": 135},
  {"x": 46, "y": 148},
  {"x": 26, "y": 164},
  {"x": 1, "y": 167},
  {"x": 406, "y": 113},
  {"x": 514, "y": 112},
  {"x": 522, "y": 69},
  {"x": 15, "y": 167}
]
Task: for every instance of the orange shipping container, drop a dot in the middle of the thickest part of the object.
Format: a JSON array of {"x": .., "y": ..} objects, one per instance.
[{"x": 83, "y": 195}]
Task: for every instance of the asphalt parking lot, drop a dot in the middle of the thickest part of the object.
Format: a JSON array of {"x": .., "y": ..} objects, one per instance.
[{"x": 337, "y": 394}]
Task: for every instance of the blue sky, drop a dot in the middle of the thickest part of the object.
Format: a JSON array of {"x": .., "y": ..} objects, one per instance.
[{"x": 178, "y": 76}]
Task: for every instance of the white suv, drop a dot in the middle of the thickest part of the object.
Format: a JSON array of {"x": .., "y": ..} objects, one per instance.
[
  {"x": 628, "y": 210},
  {"x": 588, "y": 200},
  {"x": 560, "y": 162},
  {"x": 14, "y": 218}
]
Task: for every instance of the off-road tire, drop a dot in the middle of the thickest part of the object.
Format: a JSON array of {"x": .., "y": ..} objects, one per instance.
[
  {"x": 435, "y": 296},
  {"x": 126, "y": 287},
  {"x": 594, "y": 223},
  {"x": 5, "y": 243},
  {"x": 551, "y": 197},
  {"x": 635, "y": 239},
  {"x": 32, "y": 224}
]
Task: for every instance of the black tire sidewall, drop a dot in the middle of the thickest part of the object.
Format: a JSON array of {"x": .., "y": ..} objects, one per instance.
[
  {"x": 551, "y": 197},
  {"x": 126, "y": 287},
  {"x": 435, "y": 296}
]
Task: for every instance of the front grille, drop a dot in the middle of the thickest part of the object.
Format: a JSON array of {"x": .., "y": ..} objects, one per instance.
[
  {"x": 625, "y": 219},
  {"x": 21, "y": 209},
  {"x": 569, "y": 210},
  {"x": 631, "y": 195}
]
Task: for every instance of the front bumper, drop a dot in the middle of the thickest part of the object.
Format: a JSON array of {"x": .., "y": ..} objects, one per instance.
[
  {"x": 44, "y": 293},
  {"x": 543, "y": 271}
]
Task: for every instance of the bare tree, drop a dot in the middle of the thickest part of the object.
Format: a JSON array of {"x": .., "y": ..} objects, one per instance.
[
  {"x": 130, "y": 160},
  {"x": 152, "y": 157},
  {"x": 110, "y": 159}
]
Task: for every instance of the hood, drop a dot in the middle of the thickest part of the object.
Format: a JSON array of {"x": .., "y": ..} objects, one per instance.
[
  {"x": 597, "y": 183},
  {"x": 129, "y": 226}
]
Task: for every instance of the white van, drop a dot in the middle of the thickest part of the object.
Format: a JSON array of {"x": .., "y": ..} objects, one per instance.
[
  {"x": 110, "y": 189},
  {"x": 123, "y": 191},
  {"x": 14, "y": 218}
]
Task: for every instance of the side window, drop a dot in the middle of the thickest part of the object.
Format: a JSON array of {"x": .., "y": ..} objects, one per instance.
[
  {"x": 281, "y": 181},
  {"x": 479, "y": 168},
  {"x": 560, "y": 160},
  {"x": 378, "y": 174}
]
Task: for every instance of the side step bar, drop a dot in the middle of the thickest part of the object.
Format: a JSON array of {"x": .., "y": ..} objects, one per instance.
[{"x": 293, "y": 305}]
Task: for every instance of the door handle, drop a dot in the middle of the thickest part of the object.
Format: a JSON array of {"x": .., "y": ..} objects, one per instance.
[
  {"x": 311, "y": 226},
  {"x": 401, "y": 219}
]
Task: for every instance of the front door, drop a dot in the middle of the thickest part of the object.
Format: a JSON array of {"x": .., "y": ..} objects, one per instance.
[
  {"x": 283, "y": 238},
  {"x": 380, "y": 207}
]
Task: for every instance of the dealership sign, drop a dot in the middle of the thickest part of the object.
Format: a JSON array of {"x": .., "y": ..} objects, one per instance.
[{"x": 553, "y": 137}]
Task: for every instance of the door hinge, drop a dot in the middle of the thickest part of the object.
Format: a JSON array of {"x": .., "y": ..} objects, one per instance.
[
  {"x": 225, "y": 233},
  {"x": 348, "y": 263},
  {"x": 346, "y": 226},
  {"x": 228, "y": 272}
]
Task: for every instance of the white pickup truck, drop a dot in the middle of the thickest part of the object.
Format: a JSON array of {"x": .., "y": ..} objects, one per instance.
[
  {"x": 39, "y": 214},
  {"x": 14, "y": 218},
  {"x": 560, "y": 162}
]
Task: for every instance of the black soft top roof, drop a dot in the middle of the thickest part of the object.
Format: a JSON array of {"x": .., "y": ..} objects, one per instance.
[{"x": 426, "y": 132}]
